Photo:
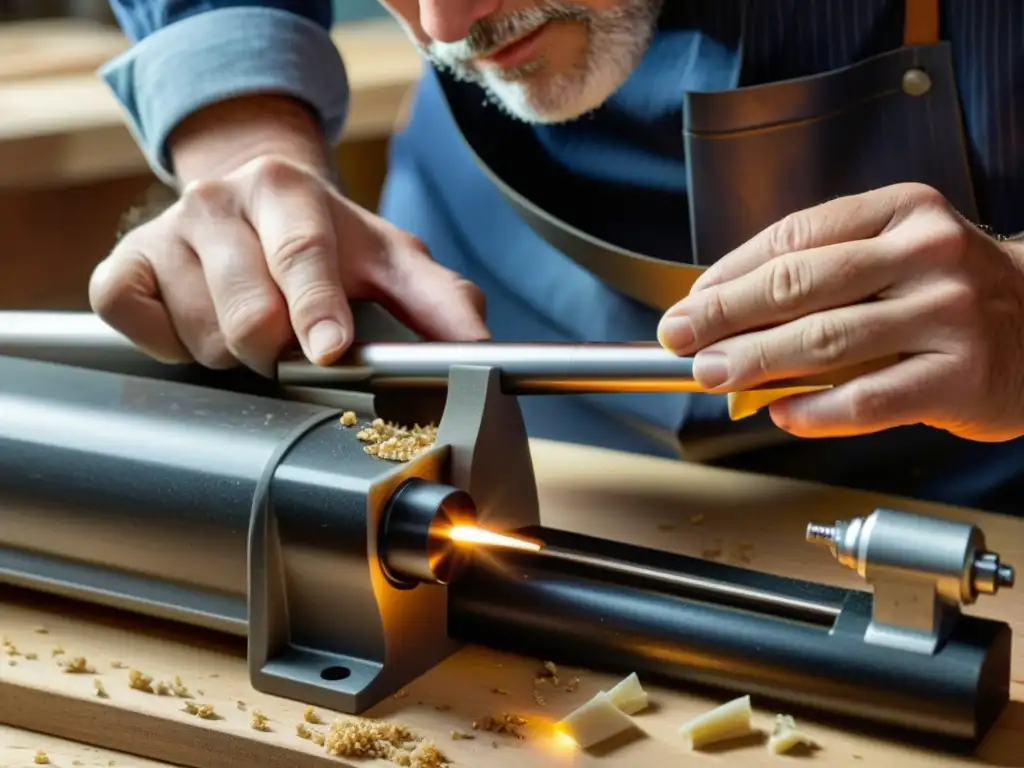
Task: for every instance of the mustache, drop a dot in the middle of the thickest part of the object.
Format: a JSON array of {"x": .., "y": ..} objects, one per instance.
[{"x": 489, "y": 35}]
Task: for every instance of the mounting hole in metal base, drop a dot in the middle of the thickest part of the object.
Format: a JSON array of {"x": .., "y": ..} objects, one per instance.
[{"x": 335, "y": 673}]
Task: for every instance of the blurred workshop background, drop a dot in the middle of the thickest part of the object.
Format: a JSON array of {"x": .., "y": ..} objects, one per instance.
[{"x": 69, "y": 169}]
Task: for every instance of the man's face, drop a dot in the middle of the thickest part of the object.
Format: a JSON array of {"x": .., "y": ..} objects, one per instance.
[{"x": 542, "y": 61}]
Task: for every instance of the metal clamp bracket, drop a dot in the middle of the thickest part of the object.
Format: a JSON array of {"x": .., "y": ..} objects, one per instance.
[{"x": 922, "y": 571}]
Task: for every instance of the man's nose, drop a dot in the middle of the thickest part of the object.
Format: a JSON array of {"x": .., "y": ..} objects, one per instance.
[{"x": 449, "y": 21}]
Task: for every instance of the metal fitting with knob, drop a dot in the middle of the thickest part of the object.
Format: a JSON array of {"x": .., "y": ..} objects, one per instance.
[{"x": 922, "y": 571}]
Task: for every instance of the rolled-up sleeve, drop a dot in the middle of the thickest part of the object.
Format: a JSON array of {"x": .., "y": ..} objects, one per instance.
[{"x": 188, "y": 55}]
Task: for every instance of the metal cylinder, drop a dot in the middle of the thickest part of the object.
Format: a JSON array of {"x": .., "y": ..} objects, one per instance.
[
  {"x": 415, "y": 545},
  {"x": 135, "y": 492},
  {"x": 902, "y": 545},
  {"x": 525, "y": 368}
]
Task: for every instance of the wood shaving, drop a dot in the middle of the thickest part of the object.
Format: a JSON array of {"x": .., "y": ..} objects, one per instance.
[
  {"x": 310, "y": 716},
  {"x": 41, "y": 631},
  {"x": 100, "y": 690},
  {"x": 507, "y": 724},
  {"x": 666, "y": 527},
  {"x": 179, "y": 689},
  {"x": 547, "y": 674},
  {"x": 541, "y": 702},
  {"x": 499, "y": 691},
  {"x": 118, "y": 665},
  {"x": 41, "y": 758},
  {"x": 140, "y": 681},
  {"x": 348, "y": 419},
  {"x": 258, "y": 722},
  {"x": 12, "y": 663},
  {"x": 10, "y": 648},
  {"x": 77, "y": 666},
  {"x": 400, "y": 695},
  {"x": 205, "y": 711},
  {"x": 162, "y": 688},
  {"x": 460, "y": 736},
  {"x": 572, "y": 685},
  {"x": 393, "y": 442},
  {"x": 741, "y": 552},
  {"x": 31, "y": 656},
  {"x": 58, "y": 651},
  {"x": 697, "y": 519},
  {"x": 370, "y": 739},
  {"x": 240, "y": 705}
]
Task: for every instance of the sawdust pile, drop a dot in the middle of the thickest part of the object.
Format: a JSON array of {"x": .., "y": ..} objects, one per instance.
[
  {"x": 390, "y": 441},
  {"x": 370, "y": 739}
]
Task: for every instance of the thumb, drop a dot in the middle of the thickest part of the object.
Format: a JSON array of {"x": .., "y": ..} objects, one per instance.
[{"x": 434, "y": 301}]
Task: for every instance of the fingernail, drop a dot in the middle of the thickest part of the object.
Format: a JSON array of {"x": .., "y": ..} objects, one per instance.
[
  {"x": 676, "y": 333},
  {"x": 326, "y": 339},
  {"x": 711, "y": 369}
]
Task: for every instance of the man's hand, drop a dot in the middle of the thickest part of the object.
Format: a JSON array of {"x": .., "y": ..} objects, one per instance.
[
  {"x": 257, "y": 255},
  {"x": 893, "y": 272}
]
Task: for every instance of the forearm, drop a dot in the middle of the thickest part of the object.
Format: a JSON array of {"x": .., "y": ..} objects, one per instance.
[
  {"x": 207, "y": 88},
  {"x": 224, "y": 136}
]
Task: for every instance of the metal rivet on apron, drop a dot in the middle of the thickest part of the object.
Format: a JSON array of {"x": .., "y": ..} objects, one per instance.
[{"x": 916, "y": 82}]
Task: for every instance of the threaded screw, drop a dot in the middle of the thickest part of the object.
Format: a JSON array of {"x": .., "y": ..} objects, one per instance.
[{"x": 821, "y": 534}]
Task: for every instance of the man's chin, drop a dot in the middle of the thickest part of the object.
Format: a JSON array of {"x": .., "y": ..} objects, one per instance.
[{"x": 550, "y": 103}]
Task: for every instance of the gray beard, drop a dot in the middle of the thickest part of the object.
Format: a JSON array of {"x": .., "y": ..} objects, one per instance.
[{"x": 616, "y": 43}]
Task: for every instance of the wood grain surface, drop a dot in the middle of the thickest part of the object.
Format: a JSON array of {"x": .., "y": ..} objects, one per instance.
[{"x": 694, "y": 510}]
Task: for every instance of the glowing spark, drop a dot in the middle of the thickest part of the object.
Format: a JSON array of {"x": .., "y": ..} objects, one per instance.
[{"x": 471, "y": 534}]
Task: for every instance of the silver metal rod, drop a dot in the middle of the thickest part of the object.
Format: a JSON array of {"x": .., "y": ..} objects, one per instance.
[
  {"x": 710, "y": 588},
  {"x": 525, "y": 368},
  {"x": 82, "y": 339}
]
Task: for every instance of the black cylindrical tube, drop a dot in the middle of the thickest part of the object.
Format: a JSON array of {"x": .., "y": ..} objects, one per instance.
[
  {"x": 415, "y": 541},
  {"x": 581, "y": 616},
  {"x": 134, "y": 492}
]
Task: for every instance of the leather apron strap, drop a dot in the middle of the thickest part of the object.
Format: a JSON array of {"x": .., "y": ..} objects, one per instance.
[{"x": 921, "y": 22}]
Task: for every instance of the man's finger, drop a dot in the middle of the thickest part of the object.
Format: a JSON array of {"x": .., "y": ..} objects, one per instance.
[
  {"x": 186, "y": 295},
  {"x": 776, "y": 292},
  {"x": 815, "y": 344},
  {"x": 125, "y": 294},
  {"x": 899, "y": 396},
  {"x": 250, "y": 310},
  {"x": 296, "y": 225},
  {"x": 432, "y": 300},
  {"x": 857, "y": 217}
]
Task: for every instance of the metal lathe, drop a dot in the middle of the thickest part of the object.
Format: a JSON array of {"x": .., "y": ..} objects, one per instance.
[{"x": 243, "y": 504}]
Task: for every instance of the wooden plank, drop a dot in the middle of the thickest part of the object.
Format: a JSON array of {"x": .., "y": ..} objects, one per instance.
[
  {"x": 19, "y": 747},
  {"x": 637, "y": 499},
  {"x": 69, "y": 129}
]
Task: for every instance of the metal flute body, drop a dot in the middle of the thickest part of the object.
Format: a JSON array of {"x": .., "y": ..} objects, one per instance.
[{"x": 83, "y": 340}]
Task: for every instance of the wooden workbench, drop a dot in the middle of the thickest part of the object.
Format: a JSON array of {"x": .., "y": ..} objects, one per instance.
[{"x": 690, "y": 509}]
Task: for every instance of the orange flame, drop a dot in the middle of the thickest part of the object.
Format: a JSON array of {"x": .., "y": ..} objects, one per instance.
[{"x": 471, "y": 534}]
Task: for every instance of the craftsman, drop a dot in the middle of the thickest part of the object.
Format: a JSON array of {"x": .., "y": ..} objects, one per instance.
[{"x": 828, "y": 159}]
